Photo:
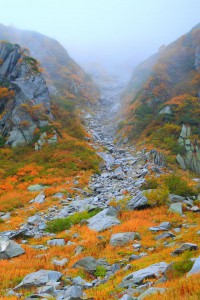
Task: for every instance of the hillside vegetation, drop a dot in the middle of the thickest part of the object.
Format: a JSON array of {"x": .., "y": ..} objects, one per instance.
[
  {"x": 63, "y": 74},
  {"x": 164, "y": 94}
]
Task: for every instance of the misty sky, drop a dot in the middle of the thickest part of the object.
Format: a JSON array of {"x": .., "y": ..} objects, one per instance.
[{"x": 115, "y": 30}]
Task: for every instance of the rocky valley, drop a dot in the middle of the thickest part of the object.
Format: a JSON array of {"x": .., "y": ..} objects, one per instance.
[{"x": 100, "y": 187}]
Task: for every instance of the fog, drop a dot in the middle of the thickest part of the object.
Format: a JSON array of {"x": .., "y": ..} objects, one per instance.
[{"x": 113, "y": 32}]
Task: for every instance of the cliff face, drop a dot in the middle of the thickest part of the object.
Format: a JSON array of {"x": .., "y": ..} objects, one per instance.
[
  {"x": 24, "y": 96},
  {"x": 61, "y": 71}
]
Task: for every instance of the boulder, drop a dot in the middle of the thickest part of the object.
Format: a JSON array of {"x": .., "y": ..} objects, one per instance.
[
  {"x": 177, "y": 208},
  {"x": 39, "y": 198},
  {"x": 166, "y": 110},
  {"x": 151, "y": 291},
  {"x": 138, "y": 201},
  {"x": 121, "y": 239},
  {"x": 9, "y": 249},
  {"x": 88, "y": 263},
  {"x": 56, "y": 242},
  {"x": 39, "y": 278},
  {"x": 73, "y": 293},
  {"x": 176, "y": 198},
  {"x": 104, "y": 220},
  {"x": 163, "y": 226},
  {"x": 35, "y": 220},
  {"x": 60, "y": 262},
  {"x": 35, "y": 187},
  {"x": 108, "y": 158},
  {"x": 127, "y": 297},
  {"x": 153, "y": 271},
  {"x": 196, "y": 267},
  {"x": 164, "y": 235},
  {"x": 184, "y": 247}
]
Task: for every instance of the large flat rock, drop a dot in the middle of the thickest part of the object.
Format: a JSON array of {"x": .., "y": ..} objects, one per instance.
[
  {"x": 9, "y": 249},
  {"x": 39, "y": 278},
  {"x": 122, "y": 238},
  {"x": 104, "y": 220},
  {"x": 153, "y": 271}
]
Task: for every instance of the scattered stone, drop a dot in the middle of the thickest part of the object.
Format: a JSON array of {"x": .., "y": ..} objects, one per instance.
[
  {"x": 40, "y": 198},
  {"x": 5, "y": 216},
  {"x": 35, "y": 187},
  {"x": 60, "y": 262},
  {"x": 108, "y": 158},
  {"x": 127, "y": 297},
  {"x": 151, "y": 291},
  {"x": 9, "y": 249},
  {"x": 78, "y": 250},
  {"x": 164, "y": 235},
  {"x": 176, "y": 198},
  {"x": 73, "y": 293},
  {"x": 163, "y": 226},
  {"x": 56, "y": 242},
  {"x": 104, "y": 220},
  {"x": 120, "y": 239},
  {"x": 39, "y": 278},
  {"x": 166, "y": 110},
  {"x": 196, "y": 267},
  {"x": 184, "y": 247},
  {"x": 177, "y": 208},
  {"x": 153, "y": 271},
  {"x": 88, "y": 263},
  {"x": 138, "y": 201}
]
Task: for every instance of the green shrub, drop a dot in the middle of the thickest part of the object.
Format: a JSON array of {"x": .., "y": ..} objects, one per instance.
[
  {"x": 179, "y": 186},
  {"x": 157, "y": 197},
  {"x": 100, "y": 271},
  {"x": 150, "y": 183},
  {"x": 2, "y": 142},
  {"x": 61, "y": 224},
  {"x": 182, "y": 267}
]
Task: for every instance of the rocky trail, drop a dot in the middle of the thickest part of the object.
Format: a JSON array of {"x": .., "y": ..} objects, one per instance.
[{"x": 122, "y": 173}]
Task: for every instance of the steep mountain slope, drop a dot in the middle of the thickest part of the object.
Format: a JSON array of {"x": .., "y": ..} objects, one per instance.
[
  {"x": 61, "y": 71},
  {"x": 164, "y": 94},
  {"x": 24, "y": 96}
]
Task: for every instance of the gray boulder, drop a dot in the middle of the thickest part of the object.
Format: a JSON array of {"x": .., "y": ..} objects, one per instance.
[
  {"x": 35, "y": 187},
  {"x": 164, "y": 235},
  {"x": 39, "y": 278},
  {"x": 153, "y": 271},
  {"x": 166, "y": 110},
  {"x": 104, "y": 220},
  {"x": 73, "y": 293},
  {"x": 88, "y": 263},
  {"x": 176, "y": 208},
  {"x": 127, "y": 297},
  {"x": 56, "y": 242},
  {"x": 163, "y": 226},
  {"x": 121, "y": 239},
  {"x": 138, "y": 201},
  {"x": 196, "y": 267},
  {"x": 184, "y": 247},
  {"x": 176, "y": 198},
  {"x": 151, "y": 291},
  {"x": 9, "y": 249},
  {"x": 108, "y": 158},
  {"x": 39, "y": 198}
]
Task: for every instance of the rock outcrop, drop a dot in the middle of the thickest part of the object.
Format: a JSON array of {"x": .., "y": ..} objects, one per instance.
[
  {"x": 191, "y": 158},
  {"x": 24, "y": 96},
  {"x": 63, "y": 74}
]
